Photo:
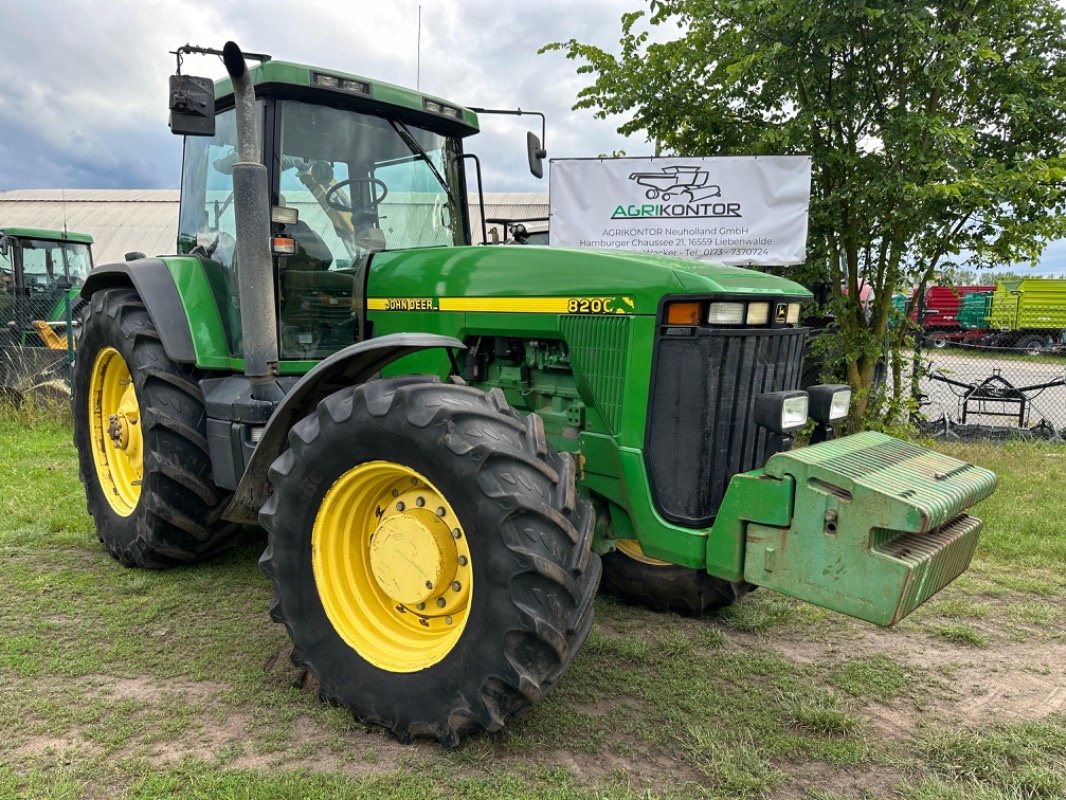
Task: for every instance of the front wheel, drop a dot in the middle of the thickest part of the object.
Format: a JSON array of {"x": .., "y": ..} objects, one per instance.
[
  {"x": 661, "y": 586},
  {"x": 430, "y": 556}
]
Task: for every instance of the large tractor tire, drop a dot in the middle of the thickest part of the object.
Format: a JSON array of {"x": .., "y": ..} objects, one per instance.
[
  {"x": 634, "y": 577},
  {"x": 430, "y": 556},
  {"x": 139, "y": 426}
]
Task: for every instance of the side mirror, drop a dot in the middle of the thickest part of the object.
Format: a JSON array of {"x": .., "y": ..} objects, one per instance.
[
  {"x": 192, "y": 106},
  {"x": 535, "y": 153},
  {"x": 4, "y": 245}
]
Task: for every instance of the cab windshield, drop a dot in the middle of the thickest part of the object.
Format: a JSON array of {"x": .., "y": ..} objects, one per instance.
[
  {"x": 47, "y": 265},
  {"x": 363, "y": 183}
]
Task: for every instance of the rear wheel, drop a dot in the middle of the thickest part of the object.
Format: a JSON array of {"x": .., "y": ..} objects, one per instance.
[
  {"x": 661, "y": 586},
  {"x": 430, "y": 556},
  {"x": 139, "y": 426}
]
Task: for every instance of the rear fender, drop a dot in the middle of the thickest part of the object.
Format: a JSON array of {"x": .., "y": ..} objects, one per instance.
[
  {"x": 353, "y": 365},
  {"x": 151, "y": 279}
]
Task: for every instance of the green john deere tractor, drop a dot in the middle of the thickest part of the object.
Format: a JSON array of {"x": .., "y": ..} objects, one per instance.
[
  {"x": 442, "y": 440},
  {"x": 41, "y": 274}
]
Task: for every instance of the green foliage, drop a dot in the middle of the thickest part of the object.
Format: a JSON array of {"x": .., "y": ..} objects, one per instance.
[{"x": 936, "y": 130}]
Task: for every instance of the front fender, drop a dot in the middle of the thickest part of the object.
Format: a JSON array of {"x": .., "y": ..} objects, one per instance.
[{"x": 353, "y": 365}]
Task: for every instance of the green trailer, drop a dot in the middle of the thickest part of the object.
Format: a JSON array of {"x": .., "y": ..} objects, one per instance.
[
  {"x": 1026, "y": 314},
  {"x": 1029, "y": 314},
  {"x": 448, "y": 444},
  {"x": 41, "y": 275}
]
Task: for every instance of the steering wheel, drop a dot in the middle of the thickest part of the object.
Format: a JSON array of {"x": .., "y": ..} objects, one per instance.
[{"x": 333, "y": 202}]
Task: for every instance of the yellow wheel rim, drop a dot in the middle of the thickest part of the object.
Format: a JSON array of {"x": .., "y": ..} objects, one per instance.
[
  {"x": 392, "y": 566},
  {"x": 115, "y": 428},
  {"x": 632, "y": 548}
]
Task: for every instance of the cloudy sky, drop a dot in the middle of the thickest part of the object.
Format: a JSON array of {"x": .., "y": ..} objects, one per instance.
[{"x": 83, "y": 84}]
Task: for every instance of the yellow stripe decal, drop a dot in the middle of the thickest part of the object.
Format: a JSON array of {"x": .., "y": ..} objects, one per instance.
[{"x": 507, "y": 305}]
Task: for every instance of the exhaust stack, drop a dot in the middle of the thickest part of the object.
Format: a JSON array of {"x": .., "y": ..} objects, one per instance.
[{"x": 251, "y": 204}]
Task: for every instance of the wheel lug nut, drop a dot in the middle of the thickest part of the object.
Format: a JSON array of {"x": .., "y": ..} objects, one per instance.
[
  {"x": 440, "y": 511},
  {"x": 457, "y": 534},
  {"x": 456, "y": 586},
  {"x": 421, "y": 606},
  {"x": 441, "y": 602},
  {"x": 414, "y": 481},
  {"x": 400, "y": 506},
  {"x": 462, "y": 561},
  {"x": 395, "y": 492},
  {"x": 429, "y": 584},
  {"x": 448, "y": 620}
]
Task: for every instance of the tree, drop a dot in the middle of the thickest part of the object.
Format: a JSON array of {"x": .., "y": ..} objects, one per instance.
[{"x": 936, "y": 130}]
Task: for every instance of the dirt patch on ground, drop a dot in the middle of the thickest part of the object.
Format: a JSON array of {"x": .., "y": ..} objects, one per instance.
[
  {"x": 804, "y": 778},
  {"x": 149, "y": 691},
  {"x": 48, "y": 745},
  {"x": 1004, "y": 681},
  {"x": 218, "y": 731}
]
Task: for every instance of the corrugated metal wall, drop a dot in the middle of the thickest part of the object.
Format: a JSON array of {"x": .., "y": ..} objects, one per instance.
[{"x": 123, "y": 220}]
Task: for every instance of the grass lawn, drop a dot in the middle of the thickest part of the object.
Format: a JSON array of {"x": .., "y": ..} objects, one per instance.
[{"x": 134, "y": 684}]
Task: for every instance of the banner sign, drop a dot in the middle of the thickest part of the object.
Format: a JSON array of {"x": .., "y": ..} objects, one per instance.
[{"x": 740, "y": 210}]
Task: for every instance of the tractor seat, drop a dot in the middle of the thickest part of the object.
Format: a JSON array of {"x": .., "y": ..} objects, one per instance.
[{"x": 312, "y": 253}]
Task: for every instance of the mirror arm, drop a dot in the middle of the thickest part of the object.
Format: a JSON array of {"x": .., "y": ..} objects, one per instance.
[{"x": 517, "y": 112}]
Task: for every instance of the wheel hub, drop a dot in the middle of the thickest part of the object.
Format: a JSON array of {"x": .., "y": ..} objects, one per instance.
[
  {"x": 118, "y": 430},
  {"x": 412, "y": 556}
]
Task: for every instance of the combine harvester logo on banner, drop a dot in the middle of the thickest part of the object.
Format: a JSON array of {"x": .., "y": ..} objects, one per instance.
[{"x": 735, "y": 210}]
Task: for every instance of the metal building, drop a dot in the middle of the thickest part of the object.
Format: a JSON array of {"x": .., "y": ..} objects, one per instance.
[{"x": 146, "y": 220}]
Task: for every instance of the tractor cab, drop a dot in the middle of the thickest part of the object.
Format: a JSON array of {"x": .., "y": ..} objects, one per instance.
[
  {"x": 355, "y": 168},
  {"x": 39, "y": 269}
]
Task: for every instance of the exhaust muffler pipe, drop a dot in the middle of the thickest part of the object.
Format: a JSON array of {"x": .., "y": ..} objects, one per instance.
[{"x": 251, "y": 208}]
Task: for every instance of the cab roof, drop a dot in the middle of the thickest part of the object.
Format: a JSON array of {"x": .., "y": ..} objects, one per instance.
[
  {"x": 43, "y": 233},
  {"x": 334, "y": 87}
]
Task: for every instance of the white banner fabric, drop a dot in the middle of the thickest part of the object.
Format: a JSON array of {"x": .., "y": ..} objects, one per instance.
[{"x": 740, "y": 210}]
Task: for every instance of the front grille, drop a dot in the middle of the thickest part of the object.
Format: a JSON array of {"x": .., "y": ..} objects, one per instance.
[{"x": 701, "y": 428}]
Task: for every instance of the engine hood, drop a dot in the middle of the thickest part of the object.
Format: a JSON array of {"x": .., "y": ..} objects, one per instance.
[{"x": 530, "y": 272}]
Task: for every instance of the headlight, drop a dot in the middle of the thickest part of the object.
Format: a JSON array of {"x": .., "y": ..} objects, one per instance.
[
  {"x": 781, "y": 412},
  {"x": 830, "y": 402},
  {"x": 726, "y": 314},
  {"x": 758, "y": 314}
]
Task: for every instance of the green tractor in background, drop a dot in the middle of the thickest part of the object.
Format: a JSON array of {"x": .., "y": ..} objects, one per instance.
[
  {"x": 41, "y": 275},
  {"x": 442, "y": 440}
]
